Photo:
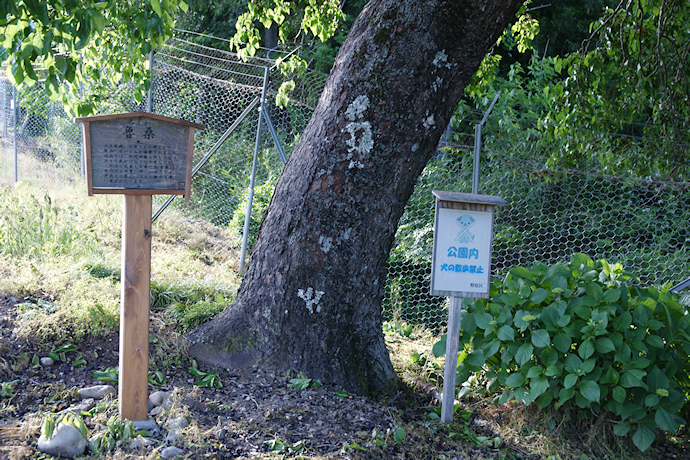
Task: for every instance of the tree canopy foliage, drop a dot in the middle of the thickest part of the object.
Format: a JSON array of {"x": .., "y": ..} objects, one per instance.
[{"x": 82, "y": 48}]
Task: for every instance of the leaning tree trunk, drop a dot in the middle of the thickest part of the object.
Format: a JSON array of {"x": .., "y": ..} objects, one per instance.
[{"x": 311, "y": 298}]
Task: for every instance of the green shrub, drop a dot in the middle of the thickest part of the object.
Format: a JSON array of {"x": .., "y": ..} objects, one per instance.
[{"x": 582, "y": 336}]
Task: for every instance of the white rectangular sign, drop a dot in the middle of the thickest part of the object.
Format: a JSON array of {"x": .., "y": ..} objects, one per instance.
[{"x": 461, "y": 263}]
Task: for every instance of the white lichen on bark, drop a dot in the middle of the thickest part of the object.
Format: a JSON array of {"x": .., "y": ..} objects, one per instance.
[
  {"x": 441, "y": 60},
  {"x": 326, "y": 243},
  {"x": 363, "y": 145},
  {"x": 311, "y": 298}
]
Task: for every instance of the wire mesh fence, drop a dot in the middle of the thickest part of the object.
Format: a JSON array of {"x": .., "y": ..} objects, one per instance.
[{"x": 553, "y": 212}]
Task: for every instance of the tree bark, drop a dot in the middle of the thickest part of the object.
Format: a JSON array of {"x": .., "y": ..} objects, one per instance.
[{"x": 311, "y": 298}]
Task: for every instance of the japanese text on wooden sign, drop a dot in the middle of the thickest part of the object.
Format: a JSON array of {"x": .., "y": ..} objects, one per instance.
[
  {"x": 138, "y": 153},
  {"x": 463, "y": 251},
  {"x": 463, "y": 236}
]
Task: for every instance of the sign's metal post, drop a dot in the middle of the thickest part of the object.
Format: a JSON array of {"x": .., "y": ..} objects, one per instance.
[
  {"x": 461, "y": 267},
  {"x": 137, "y": 155},
  {"x": 450, "y": 369}
]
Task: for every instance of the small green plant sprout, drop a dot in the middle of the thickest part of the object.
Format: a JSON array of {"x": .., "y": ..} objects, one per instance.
[
  {"x": 420, "y": 359},
  {"x": 397, "y": 328},
  {"x": 580, "y": 336},
  {"x": 399, "y": 435},
  {"x": 286, "y": 447},
  {"x": 381, "y": 439},
  {"x": 7, "y": 389},
  {"x": 60, "y": 353},
  {"x": 32, "y": 307},
  {"x": 342, "y": 394},
  {"x": 51, "y": 421},
  {"x": 157, "y": 379},
  {"x": 79, "y": 360},
  {"x": 302, "y": 382},
  {"x": 347, "y": 447},
  {"x": 205, "y": 379},
  {"x": 118, "y": 432},
  {"x": 110, "y": 375}
]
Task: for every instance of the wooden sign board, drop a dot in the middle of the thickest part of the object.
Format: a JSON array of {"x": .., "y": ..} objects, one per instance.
[
  {"x": 460, "y": 267},
  {"x": 463, "y": 234},
  {"x": 138, "y": 153}
]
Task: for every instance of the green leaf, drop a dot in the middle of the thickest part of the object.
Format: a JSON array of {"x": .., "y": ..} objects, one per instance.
[
  {"x": 399, "y": 435},
  {"x": 643, "y": 437},
  {"x": 604, "y": 345},
  {"x": 521, "y": 272},
  {"x": 538, "y": 386},
  {"x": 155, "y": 4},
  {"x": 651, "y": 400},
  {"x": 612, "y": 295},
  {"x": 563, "y": 320},
  {"x": 590, "y": 390},
  {"x": 618, "y": 394},
  {"x": 553, "y": 371},
  {"x": 439, "y": 348},
  {"x": 515, "y": 380},
  {"x": 665, "y": 421},
  {"x": 535, "y": 371},
  {"x": 476, "y": 358},
  {"x": 541, "y": 338},
  {"x": 506, "y": 333},
  {"x": 562, "y": 342},
  {"x": 483, "y": 320},
  {"x": 586, "y": 349},
  {"x": 621, "y": 428},
  {"x": 569, "y": 381},
  {"x": 539, "y": 295},
  {"x": 655, "y": 341},
  {"x": 523, "y": 354},
  {"x": 632, "y": 378}
]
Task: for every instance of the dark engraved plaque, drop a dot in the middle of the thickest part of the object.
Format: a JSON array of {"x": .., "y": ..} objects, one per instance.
[{"x": 138, "y": 153}]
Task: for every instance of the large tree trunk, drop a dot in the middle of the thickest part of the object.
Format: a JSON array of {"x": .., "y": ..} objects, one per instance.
[{"x": 311, "y": 298}]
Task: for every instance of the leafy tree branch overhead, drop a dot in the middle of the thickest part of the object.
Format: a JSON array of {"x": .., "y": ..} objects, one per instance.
[{"x": 81, "y": 48}]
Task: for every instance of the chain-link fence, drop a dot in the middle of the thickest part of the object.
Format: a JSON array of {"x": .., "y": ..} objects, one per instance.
[{"x": 552, "y": 214}]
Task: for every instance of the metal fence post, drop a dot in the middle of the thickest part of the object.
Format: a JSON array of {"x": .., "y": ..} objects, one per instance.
[
  {"x": 149, "y": 93},
  {"x": 16, "y": 125},
  {"x": 478, "y": 145},
  {"x": 250, "y": 193}
]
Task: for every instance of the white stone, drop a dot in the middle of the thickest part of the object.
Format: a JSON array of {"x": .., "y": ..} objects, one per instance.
[
  {"x": 177, "y": 423},
  {"x": 84, "y": 406},
  {"x": 47, "y": 361},
  {"x": 157, "y": 398},
  {"x": 171, "y": 451},
  {"x": 139, "y": 442},
  {"x": 97, "y": 392},
  {"x": 67, "y": 441},
  {"x": 148, "y": 424}
]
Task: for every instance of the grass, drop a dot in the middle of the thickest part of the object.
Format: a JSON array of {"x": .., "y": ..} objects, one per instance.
[{"x": 61, "y": 246}]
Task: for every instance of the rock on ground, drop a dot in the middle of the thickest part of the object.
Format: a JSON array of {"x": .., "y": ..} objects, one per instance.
[{"x": 67, "y": 441}]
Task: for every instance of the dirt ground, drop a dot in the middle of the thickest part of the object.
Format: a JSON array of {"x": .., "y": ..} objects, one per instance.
[{"x": 254, "y": 414}]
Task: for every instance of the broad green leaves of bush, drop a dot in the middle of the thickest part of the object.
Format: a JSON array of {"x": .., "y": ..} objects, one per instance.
[{"x": 581, "y": 335}]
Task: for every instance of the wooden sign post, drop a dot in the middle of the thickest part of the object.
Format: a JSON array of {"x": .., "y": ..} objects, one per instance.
[
  {"x": 137, "y": 155},
  {"x": 461, "y": 267}
]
